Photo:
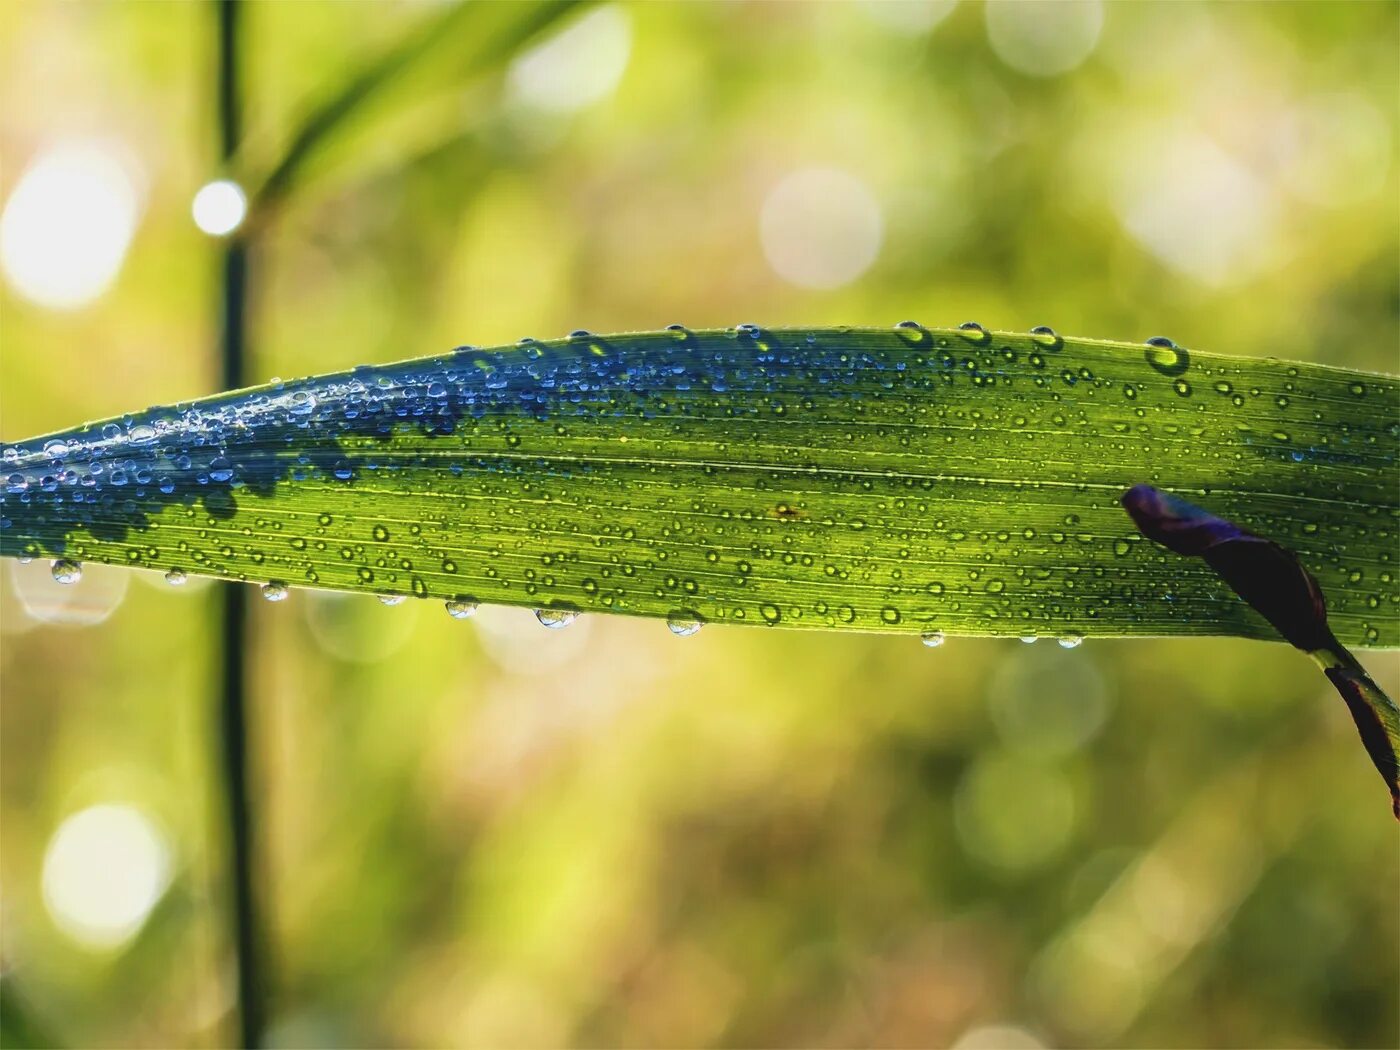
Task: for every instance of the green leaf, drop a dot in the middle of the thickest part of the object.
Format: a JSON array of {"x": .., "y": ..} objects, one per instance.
[
  {"x": 905, "y": 479},
  {"x": 463, "y": 40}
]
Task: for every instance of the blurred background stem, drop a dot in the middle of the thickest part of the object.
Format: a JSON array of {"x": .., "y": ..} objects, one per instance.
[{"x": 232, "y": 656}]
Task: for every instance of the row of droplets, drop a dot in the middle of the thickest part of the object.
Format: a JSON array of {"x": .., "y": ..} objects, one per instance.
[
  {"x": 65, "y": 570},
  {"x": 1162, "y": 353},
  {"x": 933, "y": 639}
]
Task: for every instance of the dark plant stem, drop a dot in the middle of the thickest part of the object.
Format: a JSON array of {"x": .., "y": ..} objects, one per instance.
[{"x": 233, "y": 652}]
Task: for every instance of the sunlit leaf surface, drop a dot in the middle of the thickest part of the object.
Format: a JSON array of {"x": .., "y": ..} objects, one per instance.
[{"x": 904, "y": 479}]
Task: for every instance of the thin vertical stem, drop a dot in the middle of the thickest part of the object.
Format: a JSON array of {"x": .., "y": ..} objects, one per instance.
[{"x": 233, "y": 653}]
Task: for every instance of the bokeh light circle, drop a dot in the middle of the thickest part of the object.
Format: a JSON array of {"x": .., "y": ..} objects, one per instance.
[
  {"x": 1044, "y": 39},
  {"x": 68, "y": 223},
  {"x": 104, "y": 870},
  {"x": 821, "y": 228},
  {"x": 219, "y": 207}
]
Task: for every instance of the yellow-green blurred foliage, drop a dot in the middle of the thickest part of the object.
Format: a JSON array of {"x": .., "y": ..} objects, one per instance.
[{"x": 489, "y": 834}]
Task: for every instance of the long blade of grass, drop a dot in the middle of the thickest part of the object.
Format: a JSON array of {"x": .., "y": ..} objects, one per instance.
[
  {"x": 907, "y": 480},
  {"x": 473, "y": 37}
]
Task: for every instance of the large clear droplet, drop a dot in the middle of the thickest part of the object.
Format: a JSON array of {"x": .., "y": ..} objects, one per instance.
[
  {"x": 933, "y": 639},
  {"x": 555, "y": 619},
  {"x": 392, "y": 599},
  {"x": 683, "y": 626},
  {"x": 274, "y": 591},
  {"x": 460, "y": 608},
  {"x": 176, "y": 577},
  {"x": 65, "y": 570},
  {"x": 1071, "y": 641}
]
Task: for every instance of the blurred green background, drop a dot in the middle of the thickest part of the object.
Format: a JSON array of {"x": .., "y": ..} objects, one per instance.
[{"x": 488, "y": 834}]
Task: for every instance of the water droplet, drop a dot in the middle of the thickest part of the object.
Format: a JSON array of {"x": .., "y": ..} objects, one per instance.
[
  {"x": 683, "y": 625},
  {"x": 770, "y": 612},
  {"x": 1358, "y": 389},
  {"x": 752, "y": 331},
  {"x": 274, "y": 591},
  {"x": 392, "y": 599},
  {"x": 912, "y": 333},
  {"x": 680, "y": 333},
  {"x": 1047, "y": 337},
  {"x": 176, "y": 577},
  {"x": 461, "y": 608},
  {"x": 556, "y": 619},
  {"x": 1166, "y": 357},
  {"x": 1030, "y": 639},
  {"x": 1071, "y": 641},
  {"x": 580, "y": 333},
  {"x": 380, "y": 533},
  {"x": 933, "y": 639},
  {"x": 66, "y": 570},
  {"x": 974, "y": 333}
]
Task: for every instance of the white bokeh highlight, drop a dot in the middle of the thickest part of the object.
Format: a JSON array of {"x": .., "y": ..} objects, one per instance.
[
  {"x": 219, "y": 207},
  {"x": 516, "y": 643},
  {"x": 907, "y": 16},
  {"x": 1044, "y": 38},
  {"x": 1196, "y": 208},
  {"x": 89, "y": 601},
  {"x": 577, "y": 67},
  {"x": 357, "y": 629},
  {"x": 104, "y": 870},
  {"x": 1335, "y": 150},
  {"x": 998, "y": 1037},
  {"x": 67, "y": 225},
  {"x": 821, "y": 228}
]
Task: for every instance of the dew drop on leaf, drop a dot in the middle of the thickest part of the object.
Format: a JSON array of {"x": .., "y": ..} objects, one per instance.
[
  {"x": 933, "y": 639},
  {"x": 1071, "y": 641},
  {"x": 460, "y": 608},
  {"x": 176, "y": 577},
  {"x": 683, "y": 625},
  {"x": 975, "y": 333},
  {"x": 556, "y": 619},
  {"x": 66, "y": 570},
  {"x": 912, "y": 333},
  {"x": 1166, "y": 357},
  {"x": 274, "y": 591},
  {"x": 1047, "y": 337}
]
